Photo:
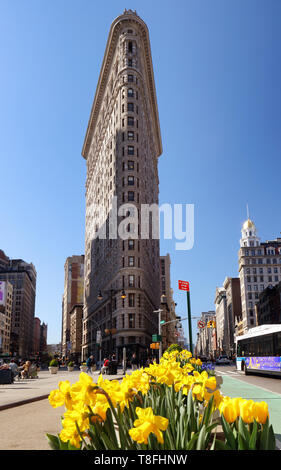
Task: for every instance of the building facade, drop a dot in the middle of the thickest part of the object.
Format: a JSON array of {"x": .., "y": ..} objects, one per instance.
[
  {"x": 170, "y": 333},
  {"x": 206, "y": 339},
  {"x": 268, "y": 308},
  {"x": 234, "y": 311},
  {"x": 221, "y": 321},
  {"x": 22, "y": 276},
  {"x": 76, "y": 317},
  {"x": 259, "y": 268},
  {"x": 121, "y": 149},
  {"x": 6, "y": 303},
  {"x": 73, "y": 295}
]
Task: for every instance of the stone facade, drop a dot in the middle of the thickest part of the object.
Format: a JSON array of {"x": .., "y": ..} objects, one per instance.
[
  {"x": 22, "y": 276},
  {"x": 6, "y": 308},
  {"x": 73, "y": 294},
  {"x": 121, "y": 149},
  {"x": 76, "y": 314},
  {"x": 169, "y": 332}
]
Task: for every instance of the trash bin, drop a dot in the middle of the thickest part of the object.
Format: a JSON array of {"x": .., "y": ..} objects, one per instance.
[
  {"x": 112, "y": 368},
  {"x": 6, "y": 376}
]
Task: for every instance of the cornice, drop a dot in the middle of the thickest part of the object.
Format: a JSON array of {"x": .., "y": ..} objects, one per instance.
[{"x": 104, "y": 75}]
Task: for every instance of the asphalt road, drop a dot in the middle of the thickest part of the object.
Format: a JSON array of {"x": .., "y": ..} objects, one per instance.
[{"x": 270, "y": 383}]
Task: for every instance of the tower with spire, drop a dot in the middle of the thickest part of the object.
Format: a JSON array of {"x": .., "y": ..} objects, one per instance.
[{"x": 259, "y": 268}]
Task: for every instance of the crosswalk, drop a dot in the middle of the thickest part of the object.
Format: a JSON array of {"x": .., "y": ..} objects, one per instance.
[{"x": 236, "y": 373}]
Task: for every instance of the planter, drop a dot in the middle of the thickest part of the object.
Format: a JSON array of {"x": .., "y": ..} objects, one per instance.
[
  {"x": 219, "y": 381},
  {"x": 53, "y": 369},
  {"x": 93, "y": 368},
  {"x": 83, "y": 368},
  {"x": 70, "y": 368}
]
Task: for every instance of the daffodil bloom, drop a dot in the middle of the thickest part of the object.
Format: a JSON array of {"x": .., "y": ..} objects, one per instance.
[
  {"x": 148, "y": 423},
  {"x": 229, "y": 411},
  {"x": 247, "y": 411},
  {"x": 72, "y": 419},
  {"x": 260, "y": 410},
  {"x": 84, "y": 390},
  {"x": 61, "y": 396},
  {"x": 203, "y": 381}
]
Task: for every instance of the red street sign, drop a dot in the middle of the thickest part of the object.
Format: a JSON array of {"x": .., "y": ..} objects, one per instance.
[
  {"x": 184, "y": 285},
  {"x": 201, "y": 324}
]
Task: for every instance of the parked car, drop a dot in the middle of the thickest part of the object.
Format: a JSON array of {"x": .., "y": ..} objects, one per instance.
[
  {"x": 203, "y": 358},
  {"x": 223, "y": 360}
]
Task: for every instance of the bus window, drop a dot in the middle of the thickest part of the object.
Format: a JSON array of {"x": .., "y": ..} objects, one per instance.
[{"x": 277, "y": 341}]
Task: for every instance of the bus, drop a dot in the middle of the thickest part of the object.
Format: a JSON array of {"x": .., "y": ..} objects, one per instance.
[{"x": 259, "y": 350}]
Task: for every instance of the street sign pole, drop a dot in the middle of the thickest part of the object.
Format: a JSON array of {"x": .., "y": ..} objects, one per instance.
[
  {"x": 189, "y": 321},
  {"x": 184, "y": 285}
]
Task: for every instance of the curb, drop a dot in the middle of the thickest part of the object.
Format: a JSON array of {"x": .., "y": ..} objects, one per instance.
[
  {"x": 33, "y": 399},
  {"x": 23, "y": 402}
]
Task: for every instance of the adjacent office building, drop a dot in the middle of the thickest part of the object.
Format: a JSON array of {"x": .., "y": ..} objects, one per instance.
[
  {"x": 121, "y": 149},
  {"x": 6, "y": 303},
  {"x": 259, "y": 268},
  {"x": 73, "y": 295},
  {"x": 268, "y": 307},
  {"x": 22, "y": 276}
]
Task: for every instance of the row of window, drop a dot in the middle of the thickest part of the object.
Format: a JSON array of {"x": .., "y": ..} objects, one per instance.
[
  {"x": 260, "y": 253},
  {"x": 261, "y": 270},
  {"x": 261, "y": 278},
  {"x": 260, "y": 261},
  {"x": 269, "y": 345},
  {"x": 255, "y": 287}
]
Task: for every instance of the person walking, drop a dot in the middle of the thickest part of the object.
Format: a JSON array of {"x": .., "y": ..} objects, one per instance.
[
  {"x": 89, "y": 364},
  {"x": 134, "y": 362},
  {"x": 14, "y": 368}
]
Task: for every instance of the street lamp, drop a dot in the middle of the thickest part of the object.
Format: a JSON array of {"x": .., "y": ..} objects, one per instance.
[{"x": 100, "y": 297}]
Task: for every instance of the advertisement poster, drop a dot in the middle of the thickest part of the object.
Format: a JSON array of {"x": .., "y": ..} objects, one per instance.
[{"x": 263, "y": 363}]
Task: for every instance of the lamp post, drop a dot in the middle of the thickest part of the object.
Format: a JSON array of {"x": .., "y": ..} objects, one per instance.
[
  {"x": 112, "y": 292},
  {"x": 100, "y": 338}
]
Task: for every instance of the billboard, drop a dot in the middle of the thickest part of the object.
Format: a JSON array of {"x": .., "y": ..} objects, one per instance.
[{"x": 2, "y": 292}]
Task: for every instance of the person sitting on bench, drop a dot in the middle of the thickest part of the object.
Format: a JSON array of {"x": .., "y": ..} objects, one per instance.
[{"x": 105, "y": 366}]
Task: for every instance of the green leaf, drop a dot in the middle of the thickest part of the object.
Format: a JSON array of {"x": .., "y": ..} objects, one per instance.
[
  {"x": 264, "y": 436},
  {"x": 228, "y": 434},
  {"x": 244, "y": 434},
  {"x": 253, "y": 438},
  {"x": 201, "y": 442},
  {"x": 219, "y": 445},
  {"x": 54, "y": 441}
]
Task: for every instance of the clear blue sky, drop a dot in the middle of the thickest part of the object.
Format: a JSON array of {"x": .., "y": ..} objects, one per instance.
[{"x": 217, "y": 69}]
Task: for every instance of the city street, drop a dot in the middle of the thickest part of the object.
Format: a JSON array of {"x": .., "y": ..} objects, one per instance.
[{"x": 24, "y": 427}]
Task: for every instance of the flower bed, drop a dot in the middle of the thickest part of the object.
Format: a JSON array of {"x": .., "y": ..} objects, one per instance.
[{"x": 175, "y": 405}]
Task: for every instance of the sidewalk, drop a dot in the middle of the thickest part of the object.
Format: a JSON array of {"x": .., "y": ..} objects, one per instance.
[{"x": 30, "y": 390}]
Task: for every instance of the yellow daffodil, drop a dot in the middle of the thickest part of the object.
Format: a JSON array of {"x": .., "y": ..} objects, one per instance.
[
  {"x": 229, "y": 410},
  {"x": 84, "y": 390},
  {"x": 247, "y": 411},
  {"x": 260, "y": 411},
  {"x": 148, "y": 423},
  {"x": 61, "y": 396}
]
